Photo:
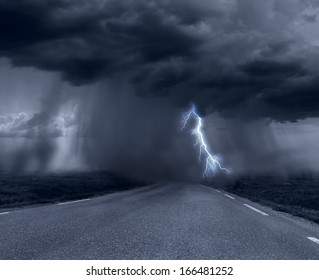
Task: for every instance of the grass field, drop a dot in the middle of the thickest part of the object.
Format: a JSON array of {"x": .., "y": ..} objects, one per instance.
[
  {"x": 22, "y": 190},
  {"x": 297, "y": 195}
]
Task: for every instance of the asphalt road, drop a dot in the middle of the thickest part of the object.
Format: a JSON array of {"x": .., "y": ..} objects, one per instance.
[{"x": 168, "y": 221}]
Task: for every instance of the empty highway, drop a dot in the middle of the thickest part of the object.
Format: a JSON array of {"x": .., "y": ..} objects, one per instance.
[{"x": 162, "y": 221}]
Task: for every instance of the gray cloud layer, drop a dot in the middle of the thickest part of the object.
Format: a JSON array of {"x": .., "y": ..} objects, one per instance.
[
  {"x": 29, "y": 125},
  {"x": 243, "y": 58}
]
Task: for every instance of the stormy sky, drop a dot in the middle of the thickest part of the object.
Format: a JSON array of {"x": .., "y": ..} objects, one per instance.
[{"x": 102, "y": 84}]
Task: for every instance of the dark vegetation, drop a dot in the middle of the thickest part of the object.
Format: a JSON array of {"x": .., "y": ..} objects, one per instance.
[
  {"x": 297, "y": 195},
  {"x": 27, "y": 189}
]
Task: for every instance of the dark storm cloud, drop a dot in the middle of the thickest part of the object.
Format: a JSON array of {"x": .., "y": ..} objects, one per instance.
[
  {"x": 85, "y": 42},
  {"x": 264, "y": 68},
  {"x": 310, "y": 18},
  {"x": 242, "y": 58}
]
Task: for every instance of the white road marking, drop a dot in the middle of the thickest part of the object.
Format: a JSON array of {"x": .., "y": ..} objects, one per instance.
[
  {"x": 256, "y": 210},
  {"x": 316, "y": 240},
  {"x": 4, "y": 213},
  {"x": 217, "y": 191},
  {"x": 229, "y": 196},
  {"x": 74, "y": 201}
]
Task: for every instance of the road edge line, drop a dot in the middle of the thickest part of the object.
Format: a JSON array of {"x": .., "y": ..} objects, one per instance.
[{"x": 256, "y": 210}]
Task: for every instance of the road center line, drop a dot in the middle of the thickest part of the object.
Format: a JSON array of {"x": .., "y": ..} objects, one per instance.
[
  {"x": 74, "y": 201},
  {"x": 316, "y": 240},
  {"x": 4, "y": 213},
  {"x": 217, "y": 191},
  {"x": 229, "y": 196},
  {"x": 256, "y": 210}
]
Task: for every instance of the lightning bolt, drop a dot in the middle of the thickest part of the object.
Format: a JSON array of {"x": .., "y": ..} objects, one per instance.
[{"x": 213, "y": 162}]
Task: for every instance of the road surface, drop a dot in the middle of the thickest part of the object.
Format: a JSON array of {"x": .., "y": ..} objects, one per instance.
[{"x": 168, "y": 221}]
